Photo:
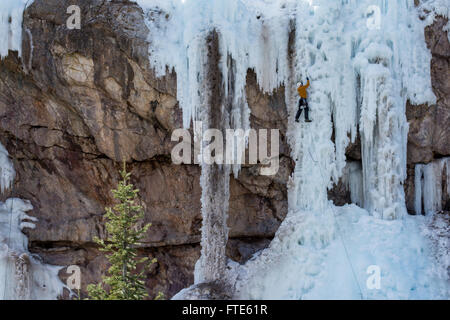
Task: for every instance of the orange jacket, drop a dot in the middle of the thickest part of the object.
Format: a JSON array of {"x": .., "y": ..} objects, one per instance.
[{"x": 302, "y": 90}]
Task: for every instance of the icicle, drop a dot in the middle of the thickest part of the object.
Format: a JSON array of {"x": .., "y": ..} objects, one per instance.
[
  {"x": 11, "y": 15},
  {"x": 382, "y": 139},
  {"x": 353, "y": 180},
  {"x": 428, "y": 185},
  {"x": 418, "y": 186},
  {"x": 7, "y": 173}
]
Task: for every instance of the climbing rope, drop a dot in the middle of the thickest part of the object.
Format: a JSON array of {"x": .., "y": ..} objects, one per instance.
[{"x": 338, "y": 229}]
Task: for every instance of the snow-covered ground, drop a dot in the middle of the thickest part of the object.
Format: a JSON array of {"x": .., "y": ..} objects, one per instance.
[
  {"x": 341, "y": 260},
  {"x": 432, "y": 8}
]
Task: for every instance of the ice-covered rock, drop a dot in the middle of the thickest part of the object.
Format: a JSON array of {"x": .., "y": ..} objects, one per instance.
[{"x": 23, "y": 276}]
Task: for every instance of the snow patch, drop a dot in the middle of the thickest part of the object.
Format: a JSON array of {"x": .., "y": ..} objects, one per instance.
[{"x": 430, "y": 9}]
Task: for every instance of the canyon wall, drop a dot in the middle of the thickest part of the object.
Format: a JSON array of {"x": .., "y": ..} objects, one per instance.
[{"x": 79, "y": 102}]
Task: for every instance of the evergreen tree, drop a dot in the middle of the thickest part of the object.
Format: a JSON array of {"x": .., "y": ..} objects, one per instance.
[{"x": 124, "y": 235}]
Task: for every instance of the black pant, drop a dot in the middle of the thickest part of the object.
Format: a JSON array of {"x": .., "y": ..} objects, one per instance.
[{"x": 301, "y": 102}]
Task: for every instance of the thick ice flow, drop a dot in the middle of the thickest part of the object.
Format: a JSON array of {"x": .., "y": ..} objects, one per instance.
[
  {"x": 365, "y": 59},
  {"x": 11, "y": 14},
  {"x": 429, "y": 184},
  {"x": 432, "y": 8}
]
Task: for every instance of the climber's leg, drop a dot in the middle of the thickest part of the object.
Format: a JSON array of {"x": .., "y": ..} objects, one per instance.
[
  {"x": 307, "y": 112},
  {"x": 299, "y": 112}
]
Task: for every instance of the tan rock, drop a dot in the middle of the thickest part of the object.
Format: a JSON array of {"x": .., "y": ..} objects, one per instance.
[
  {"x": 78, "y": 70},
  {"x": 113, "y": 88}
]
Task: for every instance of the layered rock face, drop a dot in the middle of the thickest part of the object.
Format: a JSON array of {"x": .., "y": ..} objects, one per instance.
[{"x": 79, "y": 102}]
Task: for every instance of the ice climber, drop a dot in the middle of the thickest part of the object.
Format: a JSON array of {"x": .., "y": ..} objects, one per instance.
[{"x": 303, "y": 103}]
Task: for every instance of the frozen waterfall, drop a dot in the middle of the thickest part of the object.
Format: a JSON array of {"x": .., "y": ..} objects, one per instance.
[{"x": 365, "y": 59}]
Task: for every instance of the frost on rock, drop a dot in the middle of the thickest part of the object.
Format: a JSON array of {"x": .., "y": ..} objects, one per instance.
[
  {"x": 11, "y": 15},
  {"x": 431, "y": 8},
  {"x": 22, "y": 275},
  {"x": 362, "y": 68},
  {"x": 430, "y": 183}
]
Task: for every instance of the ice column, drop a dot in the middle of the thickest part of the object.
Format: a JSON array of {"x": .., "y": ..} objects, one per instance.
[
  {"x": 213, "y": 113},
  {"x": 383, "y": 131},
  {"x": 429, "y": 184},
  {"x": 11, "y": 14}
]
